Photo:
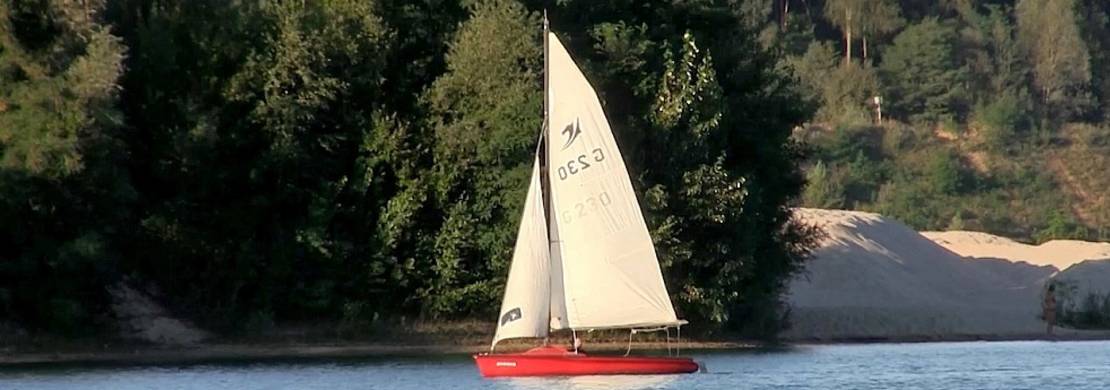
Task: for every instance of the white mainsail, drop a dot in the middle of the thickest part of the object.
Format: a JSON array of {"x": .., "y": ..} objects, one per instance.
[
  {"x": 609, "y": 271},
  {"x": 525, "y": 306}
]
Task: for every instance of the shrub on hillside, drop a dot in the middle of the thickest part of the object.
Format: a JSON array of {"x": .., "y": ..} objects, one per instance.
[
  {"x": 824, "y": 188},
  {"x": 908, "y": 200},
  {"x": 1091, "y": 136},
  {"x": 844, "y": 93},
  {"x": 898, "y": 138},
  {"x": 1061, "y": 226},
  {"x": 945, "y": 175},
  {"x": 1003, "y": 120},
  {"x": 1090, "y": 311},
  {"x": 840, "y": 88}
]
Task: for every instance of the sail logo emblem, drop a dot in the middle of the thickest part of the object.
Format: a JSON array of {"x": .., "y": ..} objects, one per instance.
[
  {"x": 572, "y": 131},
  {"x": 510, "y": 316}
]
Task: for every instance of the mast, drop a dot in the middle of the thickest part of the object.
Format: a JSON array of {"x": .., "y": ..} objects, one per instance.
[
  {"x": 545, "y": 185},
  {"x": 545, "y": 102}
]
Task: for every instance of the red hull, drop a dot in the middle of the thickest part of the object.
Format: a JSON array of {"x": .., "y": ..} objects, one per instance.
[{"x": 551, "y": 361}]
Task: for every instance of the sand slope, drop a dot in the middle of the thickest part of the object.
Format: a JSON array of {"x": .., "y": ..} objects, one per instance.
[
  {"x": 874, "y": 277},
  {"x": 140, "y": 317},
  {"x": 1091, "y": 276},
  {"x": 1058, "y": 253}
]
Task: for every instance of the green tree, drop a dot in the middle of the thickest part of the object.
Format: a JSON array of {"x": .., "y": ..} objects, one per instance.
[
  {"x": 844, "y": 94},
  {"x": 488, "y": 107},
  {"x": 822, "y": 189},
  {"x": 796, "y": 35},
  {"x": 268, "y": 161},
  {"x": 1096, "y": 33},
  {"x": 839, "y": 90},
  {"x": 863, "y": 18},
  {"x": 1049, "y": 33},
  {"x": 1003, "y": 119},
  {"x": 922, "y": 74},
  {"x": 279, "y": 183},
  {"x": 909, "y": 200},
  {"x": 998, "y": 76},
  {"x": 63, "y": 196},
  {"x": 813, "y": 69},
  {"x": 1010, "y": 71},
  {"x": 703, "y": 130},
  {"x": 880, "y": 18},
  {"x": 846, "y": 15},
  {"x": 1060, "y": 226},
  {"x": 945, "y": 175},
  {"x": 957, "y": 222}
]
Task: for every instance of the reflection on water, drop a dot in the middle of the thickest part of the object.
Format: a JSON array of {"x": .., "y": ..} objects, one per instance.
[
  {"x": 593, "y": 382},
  {"x": 944, "y": 366}
]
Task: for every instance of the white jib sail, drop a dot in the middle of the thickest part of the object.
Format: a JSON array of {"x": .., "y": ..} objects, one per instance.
[
  {"x": 524, "y": 308},
  {"x": 610, "y": 273}
]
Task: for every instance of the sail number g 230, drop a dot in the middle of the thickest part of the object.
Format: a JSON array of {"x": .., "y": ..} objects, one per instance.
[
  {"x": 580, "y": 163},
  {"x": 588, "y": 206}
]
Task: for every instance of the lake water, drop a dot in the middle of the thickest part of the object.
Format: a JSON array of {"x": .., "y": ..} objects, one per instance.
[{"x": 972, "y": 365}]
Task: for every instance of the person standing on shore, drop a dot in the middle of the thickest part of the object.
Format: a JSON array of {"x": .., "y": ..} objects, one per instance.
[{"x": 1049, "y": 306}]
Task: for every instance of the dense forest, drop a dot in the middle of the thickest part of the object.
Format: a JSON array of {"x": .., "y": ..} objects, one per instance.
[
  {"x": 257, "y": 163},
  {"x": 995, "y": 115},
  {"x": 261, "y": 162}
]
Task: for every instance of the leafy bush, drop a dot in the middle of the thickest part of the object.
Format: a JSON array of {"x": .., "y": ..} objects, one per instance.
[
  {"x": 945, "y": 174},
  {"x": 823, "y": 188},
  {"x": 841, "y": 89},
  {"x": 1090, "y": 311},
  {"x": 1003, "y": 120},
  {"x": 844, "y": 94},
  {"x": 1061, "y": 226}
]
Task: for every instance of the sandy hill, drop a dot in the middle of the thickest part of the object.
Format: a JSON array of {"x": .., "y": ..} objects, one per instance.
[
  {"x": 1057, "y": 253},
  {"x": 874, "y": 277}
]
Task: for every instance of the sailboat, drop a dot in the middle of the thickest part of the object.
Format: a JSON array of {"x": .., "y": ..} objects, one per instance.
[{"x": 583, "y": 258}]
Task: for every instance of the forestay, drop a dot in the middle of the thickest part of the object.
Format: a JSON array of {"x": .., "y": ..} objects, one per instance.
[{"x": 610, "y": 274}]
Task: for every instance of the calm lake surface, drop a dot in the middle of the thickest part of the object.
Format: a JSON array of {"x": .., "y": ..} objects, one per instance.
[{"x": 972, "y": 365}]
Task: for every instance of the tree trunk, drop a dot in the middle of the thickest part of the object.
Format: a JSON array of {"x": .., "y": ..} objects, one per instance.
[
  {"x": 864, "y": 37},
  {"x": 785, "y": 13},
  {"x": 847, "y": 37}
]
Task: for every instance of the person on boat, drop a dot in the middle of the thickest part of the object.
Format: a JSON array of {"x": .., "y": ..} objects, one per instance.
[
  {"x": 1049, "y": 306},
  {"x": 577, "y": 344}
]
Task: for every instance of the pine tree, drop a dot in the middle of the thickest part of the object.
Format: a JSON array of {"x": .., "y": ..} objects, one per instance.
[{"x": 922, "y": 73}]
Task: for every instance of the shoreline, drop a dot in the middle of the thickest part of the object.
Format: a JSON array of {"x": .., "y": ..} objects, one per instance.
[
  {"x": 233, "y": 352},
  {"x": 123, "y": 355},
  {"x": 1090, "y": 336}
]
